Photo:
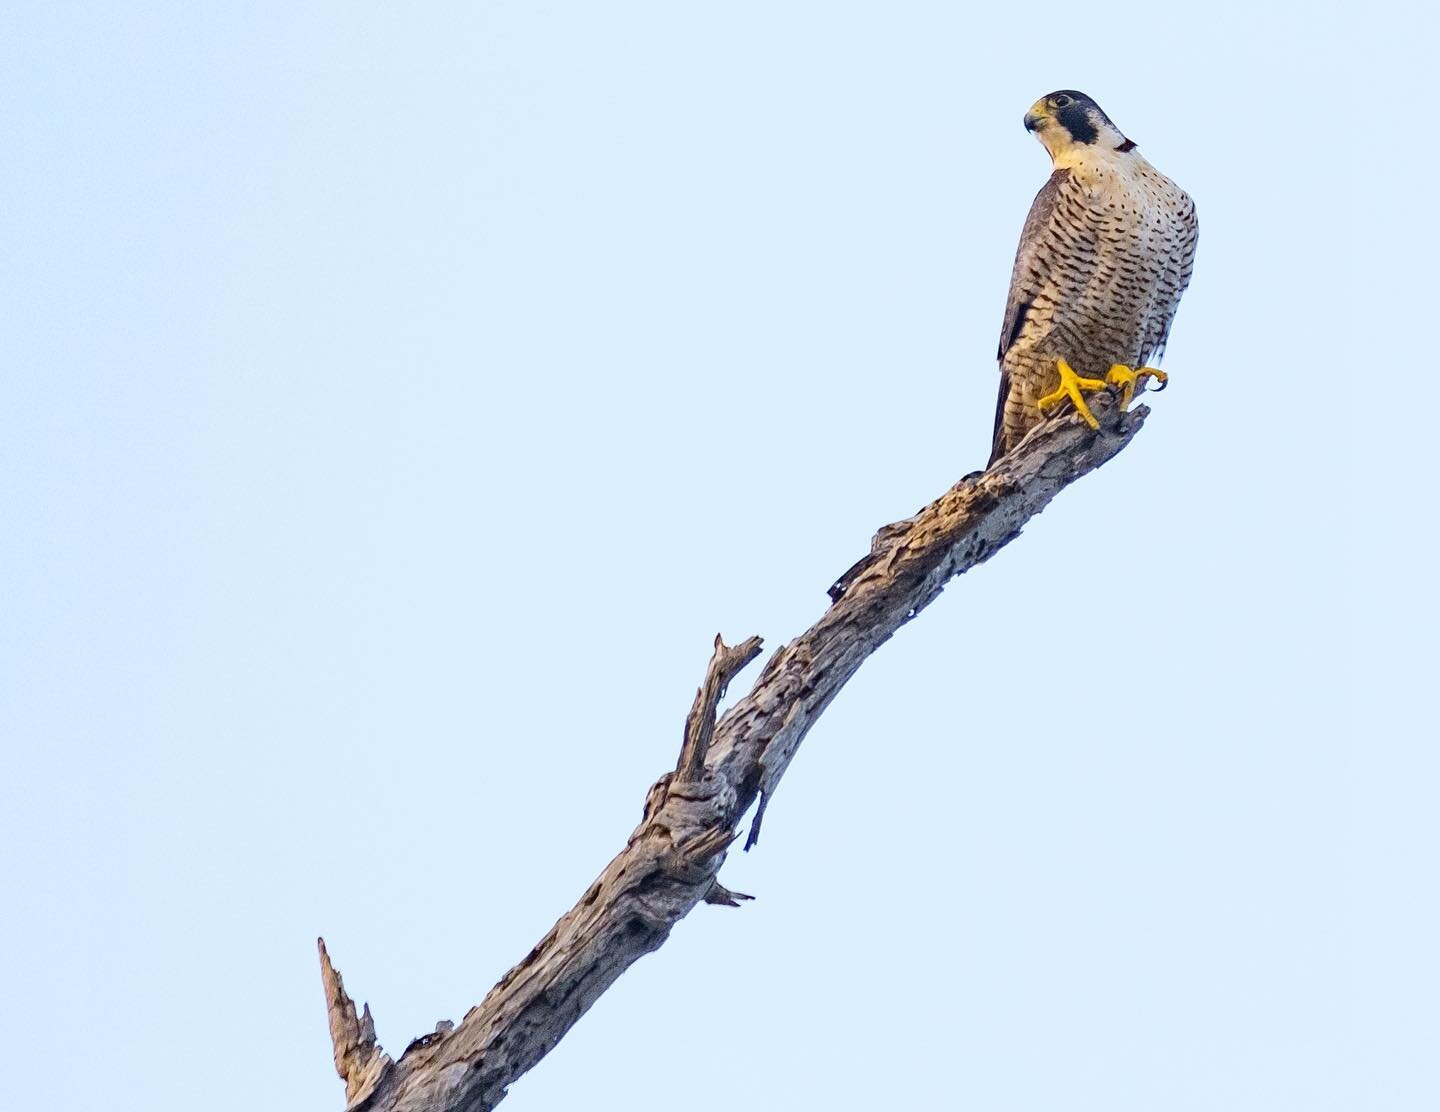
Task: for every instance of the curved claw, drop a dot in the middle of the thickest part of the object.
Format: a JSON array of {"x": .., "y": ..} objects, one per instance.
[
  {"x": 1144, "y": 374},
  {"x": 1134, "y": 382}
]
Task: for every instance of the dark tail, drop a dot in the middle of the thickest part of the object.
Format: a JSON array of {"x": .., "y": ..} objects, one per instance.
[{"x": 997, "y": 444}]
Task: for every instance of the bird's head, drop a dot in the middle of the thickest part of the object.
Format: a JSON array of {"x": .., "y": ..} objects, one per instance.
[{"x": 1070, "y": 123}]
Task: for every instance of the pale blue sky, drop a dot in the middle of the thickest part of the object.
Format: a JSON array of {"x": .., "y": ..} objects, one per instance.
[{"x": 396, "y": 401}]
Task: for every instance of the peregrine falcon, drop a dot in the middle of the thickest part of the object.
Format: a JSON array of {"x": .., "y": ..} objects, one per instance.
[{"x": 1105, "y": 255}]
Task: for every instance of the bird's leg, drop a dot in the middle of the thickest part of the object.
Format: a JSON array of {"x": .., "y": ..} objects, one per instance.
[
  {"x": 1071, "y": 385},
  {"x": 1130, "y": 381}
]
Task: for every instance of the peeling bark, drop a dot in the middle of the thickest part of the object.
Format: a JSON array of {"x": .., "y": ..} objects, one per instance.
[{"x": 691, "y": 817}]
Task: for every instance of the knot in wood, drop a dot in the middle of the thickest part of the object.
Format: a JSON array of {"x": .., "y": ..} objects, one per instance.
[
  {"x": 656, "y": 796},
  {"x": 687, "y": 813}
]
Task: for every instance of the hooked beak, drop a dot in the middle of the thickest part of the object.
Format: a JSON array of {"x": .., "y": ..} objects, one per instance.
[{"x": 1036, "y": 117}]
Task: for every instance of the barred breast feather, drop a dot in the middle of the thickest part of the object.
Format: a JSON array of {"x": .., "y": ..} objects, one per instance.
[{"x": 1105, "y": 254}]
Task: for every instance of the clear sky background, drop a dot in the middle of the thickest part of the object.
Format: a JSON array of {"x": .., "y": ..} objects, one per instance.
[{"x": 396, "y": 400}]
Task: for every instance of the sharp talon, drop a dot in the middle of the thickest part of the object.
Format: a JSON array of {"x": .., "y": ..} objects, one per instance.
[
  {"x": 1132, "y": 382},
  {"x": 1146, "y": 373}
]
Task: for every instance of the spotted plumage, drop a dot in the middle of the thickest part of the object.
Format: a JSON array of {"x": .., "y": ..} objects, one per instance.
[{"x": 1106, "y": 252}]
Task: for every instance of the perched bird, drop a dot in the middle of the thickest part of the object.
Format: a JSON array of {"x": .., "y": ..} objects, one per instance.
[{"x": 1106, "y": 252}]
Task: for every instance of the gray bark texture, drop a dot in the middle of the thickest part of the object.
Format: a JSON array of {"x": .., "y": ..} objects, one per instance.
[{"x": 692, "y": 814}]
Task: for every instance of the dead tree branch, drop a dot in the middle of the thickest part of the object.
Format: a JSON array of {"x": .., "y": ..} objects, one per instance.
[
  {"x": 691, "y": 816},
  {"x": 358, "y": 1058},
  {"x": 700, "y": 725}
]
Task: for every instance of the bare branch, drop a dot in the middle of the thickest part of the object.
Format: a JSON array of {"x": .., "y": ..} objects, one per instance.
[
  {"x": 358, "y": 1058},
  {"x": 700, "y": 726},
  {"x": 722, "y": 896},
  {"x": 671, "y": 861}
]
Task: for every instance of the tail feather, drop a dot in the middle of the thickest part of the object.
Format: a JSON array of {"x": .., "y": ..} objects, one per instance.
[{"x": 997, "y": 444}]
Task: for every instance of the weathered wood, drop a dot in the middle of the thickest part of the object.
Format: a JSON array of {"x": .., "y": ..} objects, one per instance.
[
  {"x": 700, "y": 726},
  {"x": 358, "y": 1058},
  {"x": 672, "y": 859}
]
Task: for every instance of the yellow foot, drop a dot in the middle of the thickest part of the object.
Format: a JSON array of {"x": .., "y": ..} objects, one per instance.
[
  {"x": 1131, "y": 381},
  {"x": 1070, "y": 386}
]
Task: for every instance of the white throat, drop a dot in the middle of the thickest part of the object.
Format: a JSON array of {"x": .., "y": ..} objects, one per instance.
[{"x": 1073, "y": 155}]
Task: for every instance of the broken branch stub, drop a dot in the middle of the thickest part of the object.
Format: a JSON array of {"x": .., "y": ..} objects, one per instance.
[
  {"x": 725, "y": 664},
  {"x": 359, "y": 1060}
]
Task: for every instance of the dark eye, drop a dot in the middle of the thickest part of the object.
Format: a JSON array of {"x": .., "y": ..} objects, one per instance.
[{"x": 1061, "y": 101}]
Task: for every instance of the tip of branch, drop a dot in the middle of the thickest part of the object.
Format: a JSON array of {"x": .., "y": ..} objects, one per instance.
[
  {"x": 719, "y": 894},
  {"x": 359, "y": 1060},
  {"x": 725, "y": 664},
  {"x": 754, "y": 835}
]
